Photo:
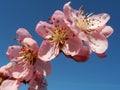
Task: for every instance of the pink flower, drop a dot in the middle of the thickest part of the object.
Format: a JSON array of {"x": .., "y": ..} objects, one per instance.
[
  {"x": 25, "y": 58},
  {"x": 90, "y": 28},
  {"x": 58, "y": 37},
  {"x": 10, "y": 85}
]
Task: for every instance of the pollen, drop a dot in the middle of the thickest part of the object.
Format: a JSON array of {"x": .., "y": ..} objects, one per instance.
[
  {"x": 59, "y": 35},
  {"x": 27, "y": 54}
]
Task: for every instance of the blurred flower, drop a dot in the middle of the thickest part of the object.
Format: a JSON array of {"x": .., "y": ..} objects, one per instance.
[
  {"x": 92, "y": 29},
  {"x": 58, "y": 37},
  {"x": 10, "y": 85},
  {"x": 7, "y": 82}
]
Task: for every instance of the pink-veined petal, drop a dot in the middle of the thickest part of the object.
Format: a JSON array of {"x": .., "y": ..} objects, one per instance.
[
  {"x": 48, "y": 50},
  {"x": 43, "y": 67},
  {"x": 44, "y": 29},
  {"x": 72, "y": 46},
  {"x": 10, "y": 85},
  {"x": 20, "y": 72},
  {"x": 13, "y": 52},
  {"x": 98, "y": 43},
  {"x": 98, "y": 20},
  {"x": 107, "y": 31},
  {"x": 6, "y": 69},
  {"x": 22, "y": 33}
]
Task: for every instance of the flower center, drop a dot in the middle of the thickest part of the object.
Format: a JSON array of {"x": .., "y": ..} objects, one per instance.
[
  {"x": 83, "y": 22},
  {"x": 28, "y": 55},
  {"x": 59, "y": 35}
]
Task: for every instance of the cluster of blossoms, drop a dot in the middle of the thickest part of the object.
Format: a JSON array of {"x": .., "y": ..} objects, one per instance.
[{"x": 70, "y": 31}]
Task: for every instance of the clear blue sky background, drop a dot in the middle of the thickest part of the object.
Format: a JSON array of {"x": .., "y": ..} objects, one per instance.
[{"x": 95, "y": 74}]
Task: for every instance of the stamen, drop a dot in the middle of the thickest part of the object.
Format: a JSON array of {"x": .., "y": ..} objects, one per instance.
[
  {"x": 49, "y": 18},
  {"x": 90, "y": 14},
  {"x": 59, "y": 34},
  {"x": 28, "y": 55},
  {"x": 81, "y": 9},
  {"x": 82, "y": 20},
  {"x": 15, "y": 38}
]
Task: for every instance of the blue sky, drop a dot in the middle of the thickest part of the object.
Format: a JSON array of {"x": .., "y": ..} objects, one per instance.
[{"x": 95, "y": 74}]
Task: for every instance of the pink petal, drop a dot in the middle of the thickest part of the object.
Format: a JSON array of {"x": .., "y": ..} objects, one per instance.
[
  {"x": 6, "y": 69},
  {"x": 10, "y": 85},
  {"x": 79, "y": 33},
  {"x": 44, "y": 29},
  {"x": 22, "y": 33},
  {"x": 98, "y": 20},
  {"x": 43, "y": 67},
  {"x": 58, "y": 17},
  {"x": 83, "y": 54},
  {"x": 32, "y": 43},
  {"x": 107, "y": 31},
  {"x": 48, "y": 51},
  {"x": 70, "y": 13},
  {"x": 13, "y": 52},
  {"x": 18, "y": 71},
  {"x": 98, "y": 43},
  {"x": 72, "y": 46}
]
